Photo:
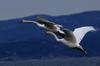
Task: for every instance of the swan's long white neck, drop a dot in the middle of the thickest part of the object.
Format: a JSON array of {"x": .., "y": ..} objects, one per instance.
[
  {"x": 38, "y": 24},
  {"x": 57, "y": 39},
  {"x": 28, "y": 21}
]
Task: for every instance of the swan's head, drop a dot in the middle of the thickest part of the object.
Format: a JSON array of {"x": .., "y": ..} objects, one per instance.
[
  {"x": 59, "y": 26},
  {"x": 80, "y": 49}
]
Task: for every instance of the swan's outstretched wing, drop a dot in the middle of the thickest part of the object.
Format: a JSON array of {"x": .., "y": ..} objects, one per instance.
[
  {"x": 80, "y": 32},
  {"x": 44, "y": 21}
]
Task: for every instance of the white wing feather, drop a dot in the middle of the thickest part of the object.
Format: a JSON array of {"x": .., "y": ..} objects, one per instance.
[{"x": 80, "y": 32}]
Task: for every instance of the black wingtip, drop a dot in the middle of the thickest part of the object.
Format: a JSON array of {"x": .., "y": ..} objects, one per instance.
[
  {"x": 81, "y": 49},
  {"x": 85, "y": 53}
]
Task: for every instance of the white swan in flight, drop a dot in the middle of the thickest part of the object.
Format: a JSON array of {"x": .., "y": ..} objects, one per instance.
[
  {"x": 44, "y": 23},
  {"x": 73, "y": 39}
]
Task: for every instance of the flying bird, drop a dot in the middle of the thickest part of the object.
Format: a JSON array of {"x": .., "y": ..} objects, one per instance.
[
  {"x": 46, "y": 24},
  {"x": 73, "y": 39}
]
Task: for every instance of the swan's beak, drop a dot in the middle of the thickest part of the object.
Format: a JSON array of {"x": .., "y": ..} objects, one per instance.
[{"x": 81, "y": 49}]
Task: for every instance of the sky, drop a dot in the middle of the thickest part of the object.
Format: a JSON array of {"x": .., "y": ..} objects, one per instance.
[{"x": 20, "y": 8}]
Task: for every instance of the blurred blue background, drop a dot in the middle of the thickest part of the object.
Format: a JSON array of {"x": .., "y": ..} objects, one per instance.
[{"x": 27, "y": 41}]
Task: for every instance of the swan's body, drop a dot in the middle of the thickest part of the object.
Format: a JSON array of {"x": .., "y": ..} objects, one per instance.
[
  {"x": 73, "y": 39},
  {"x": 43, "y": 23}
]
